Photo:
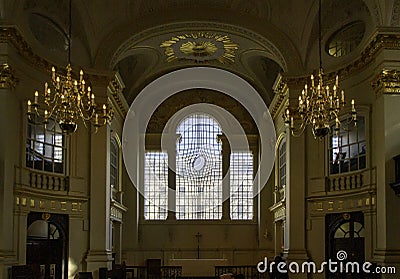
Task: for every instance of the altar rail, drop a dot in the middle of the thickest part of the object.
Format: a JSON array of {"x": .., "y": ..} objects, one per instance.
[
  {"x": 248, "y": 271},
  {"x": 140, "y": 272}
]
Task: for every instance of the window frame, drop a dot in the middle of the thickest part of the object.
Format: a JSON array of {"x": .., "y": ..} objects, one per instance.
[
  {"x": 29, "y": 140},
  {"x": 144, "y": 187},
  {"x": 212, "y": 212},
  {"x": 154, "y": 142},
  {"x": 252, "y": 205},
  {"x": 114, "y": 142},
  {"x": 363, "y": 111}
]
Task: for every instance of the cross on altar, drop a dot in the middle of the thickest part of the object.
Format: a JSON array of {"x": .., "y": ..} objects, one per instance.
[{"x": 198, "y": 235}]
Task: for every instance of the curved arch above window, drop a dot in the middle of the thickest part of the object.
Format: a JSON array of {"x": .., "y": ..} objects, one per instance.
[
  {"x": 346, "y": 39},
  {"x": 350, "y": 230}
]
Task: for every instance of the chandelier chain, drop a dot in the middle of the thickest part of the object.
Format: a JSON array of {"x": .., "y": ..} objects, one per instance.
[
  {"x": 318, "y": 104},
  {"x": 67, "y": 99}
]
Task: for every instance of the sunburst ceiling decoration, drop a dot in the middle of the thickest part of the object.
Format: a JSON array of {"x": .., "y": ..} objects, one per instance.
[{"x": 200, "y": 47}]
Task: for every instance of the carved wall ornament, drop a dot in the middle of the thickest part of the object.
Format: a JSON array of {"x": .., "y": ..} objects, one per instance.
[
  {"x": 281, "y": 90},
  {"x": 46, "y": 216},
  {"x": 200, "y": 47},
  {"x": 7, "y": 77},
  {"x": 116, "y": 88},
  {"x": 387, "y": 82}
]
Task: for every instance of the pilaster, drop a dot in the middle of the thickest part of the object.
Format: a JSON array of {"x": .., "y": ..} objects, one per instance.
[
  {"x": 386, "y": 86},
  {"x": 294, "y": 226},
  {"x": 99, "y": 254}
]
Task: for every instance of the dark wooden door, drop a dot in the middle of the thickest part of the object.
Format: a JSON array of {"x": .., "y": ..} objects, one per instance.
[
  {"x": 46, "y": 245},
  {"x": 345, "y": 242}
]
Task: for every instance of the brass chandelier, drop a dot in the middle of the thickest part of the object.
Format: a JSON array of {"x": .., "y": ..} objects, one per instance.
[
  {"x": 319, "y": 105},
  {"x": 66, "y": 99}
]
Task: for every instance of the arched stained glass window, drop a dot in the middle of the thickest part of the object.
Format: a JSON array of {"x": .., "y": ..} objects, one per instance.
[{"x": 198, "y": 169}]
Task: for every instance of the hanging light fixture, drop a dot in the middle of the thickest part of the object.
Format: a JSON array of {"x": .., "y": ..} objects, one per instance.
[
  {"x": 67, "y": 99},
  {"x": 319, "y": 104}
]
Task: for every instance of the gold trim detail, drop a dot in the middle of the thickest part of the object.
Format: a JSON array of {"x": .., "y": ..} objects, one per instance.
[
  {"x": 7, "y": 77},
  {"x": 346, "y": 216},
  {"x": 387, "y": 82},
  {"x": 46, "y": 216},
  {"x": 200, "y": 47},
  {"x": 63, "y": 206}
]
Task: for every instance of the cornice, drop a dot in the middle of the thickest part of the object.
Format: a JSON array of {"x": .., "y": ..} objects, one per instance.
[
  {"x": 379, "y": 42},
  {"x": 386, "y": 82}
]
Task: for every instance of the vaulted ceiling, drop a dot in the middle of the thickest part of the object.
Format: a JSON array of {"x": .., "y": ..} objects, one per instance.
[{"x": 143, "y": 39}]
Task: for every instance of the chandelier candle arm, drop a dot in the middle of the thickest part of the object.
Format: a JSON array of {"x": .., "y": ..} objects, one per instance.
[{"x": 66, "y": 100}]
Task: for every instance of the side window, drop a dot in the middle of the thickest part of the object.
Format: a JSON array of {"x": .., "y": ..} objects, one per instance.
[
  {"x": 45, "y": 147},
  {"x": 347, "y": 150},
  {"x": 114, "y": 164},
  {"x": 155, "y": 185},
  {"x": 282, "y": 164},
  {"x": 241, "y": 188}
]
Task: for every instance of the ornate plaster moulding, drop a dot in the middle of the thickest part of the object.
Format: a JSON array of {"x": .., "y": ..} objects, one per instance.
[{"x": 212, "y": 32}]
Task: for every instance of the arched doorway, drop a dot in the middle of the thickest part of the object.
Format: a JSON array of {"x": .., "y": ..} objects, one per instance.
[
  {"x": 345, "y": 233},
  {"x": 46, "y": 244}
]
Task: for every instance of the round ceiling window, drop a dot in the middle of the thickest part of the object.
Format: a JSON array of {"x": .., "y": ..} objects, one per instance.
[{"x": 346, "y": 39}]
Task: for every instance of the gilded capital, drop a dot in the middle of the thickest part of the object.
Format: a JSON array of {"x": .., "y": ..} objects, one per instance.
[
  {"x": 7, "y": 77},
  {"x": 387, "y": 82}
]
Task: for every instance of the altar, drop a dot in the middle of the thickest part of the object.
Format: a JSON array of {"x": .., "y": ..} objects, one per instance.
[{"x": 198, "y": 267}]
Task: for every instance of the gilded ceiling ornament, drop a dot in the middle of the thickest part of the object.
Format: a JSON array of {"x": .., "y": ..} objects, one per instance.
[
  {"x": 7, "y": 77},
  {"x": 200, "y": 47}
]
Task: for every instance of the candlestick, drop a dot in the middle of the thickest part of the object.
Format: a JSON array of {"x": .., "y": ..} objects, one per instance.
[{"x": 53, "y": 73}]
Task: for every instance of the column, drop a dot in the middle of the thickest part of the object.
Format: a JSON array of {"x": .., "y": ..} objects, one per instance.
[
  {"x": 170, "y": 145},
  {"x": 10, "y": 123},
  {"x": 226, "y": 156}
]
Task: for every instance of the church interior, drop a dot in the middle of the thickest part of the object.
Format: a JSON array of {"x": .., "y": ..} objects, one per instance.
[{"x": 202, "y": 139}]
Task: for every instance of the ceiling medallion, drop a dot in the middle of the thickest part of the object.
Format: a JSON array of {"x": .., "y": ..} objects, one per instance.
[{"x": 200, "y": 47}]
